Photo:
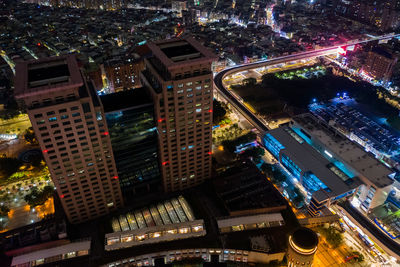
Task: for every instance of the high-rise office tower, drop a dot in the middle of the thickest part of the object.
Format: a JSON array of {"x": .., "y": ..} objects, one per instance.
[
  {"x": 380, "y": 64},
  {"x": 69, "y": 123},
  {"x": 180, "y": 80}
]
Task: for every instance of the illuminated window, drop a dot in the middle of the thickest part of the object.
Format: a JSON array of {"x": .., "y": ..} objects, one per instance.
[
  {"x": 155, "y": 235},
  {"x": 141, "y": 237},
  {"x": 291, "y": 166},
  {"x": 273, "y": 145},
  {"x": 112, "y": 240},
  {"x": 127, "y": 238},
  {"x": 184, "y": 230},
  {"x": 197, "y": 228}
]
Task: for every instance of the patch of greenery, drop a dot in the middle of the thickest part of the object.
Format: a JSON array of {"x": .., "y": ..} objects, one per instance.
[
  {"x": 360, "y": 257},
  {"x": 30, "y": 136},
  {"x": 227, "y": 133},
  {"x": 306, "y": 73},
  {"x": 219, "y": 112},
  {"x": 230, "y": 145},
  {"x": 249, "y": 81},
  {"x": 333, "y": 236},
  {"x": 4, "y": 210},
  {"x": 256, "y": 153},
  {"x": 38, "y": 197}
]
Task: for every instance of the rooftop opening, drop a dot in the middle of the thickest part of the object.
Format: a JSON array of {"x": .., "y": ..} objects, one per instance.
[
  {"x": 48, "y": 73},
  {"x": 179, "y": 51}
]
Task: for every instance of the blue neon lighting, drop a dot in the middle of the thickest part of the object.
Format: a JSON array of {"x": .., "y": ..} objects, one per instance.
[
  {"x": 343, "y": 168},
  {"x": 291, "y": 166},
  {"x": 312, "y": 183},
  {"x": 273, "y": 145},
  {"x": 344, "y": 195},
  {"x": 302, "y": 135}
]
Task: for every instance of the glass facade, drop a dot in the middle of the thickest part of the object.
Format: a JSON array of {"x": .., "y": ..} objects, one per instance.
[
  {"x": 273, "y": 145},
  {"x": 134, "y": 143},
  {"x": 312, "y": 183},
  {"x": 291, "y": 166},
  {"x": 344, "y": 194}
]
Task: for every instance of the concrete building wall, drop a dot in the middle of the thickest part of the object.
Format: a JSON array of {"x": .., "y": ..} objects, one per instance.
[
  {"x": 183, "y": 111},
  {"x": 72, "y": 133}
]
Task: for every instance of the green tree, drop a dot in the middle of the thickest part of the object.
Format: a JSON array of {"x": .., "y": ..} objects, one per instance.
[
  {"x": 256, "y": 153},
  {"x": 278, "y": 176},
  {"x": 38, "y": 197},
  {"x": 299, "y": 198},
  {"x": 268, "y": 76},
  {"x": 30, "y": 137},
  {"x": 333, "y": 236},
  {"x": 4, "y": 210},
  {"x": 249, "y": 81},
  {"x": 218, "y": 112},
  {"x": 360, "y": 257},
  {"x": 267, "y": 169},
  {"x": 230, "y": 145}
]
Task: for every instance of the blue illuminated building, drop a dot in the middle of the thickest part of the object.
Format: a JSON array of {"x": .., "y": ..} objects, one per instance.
[
  {"x": 348, "y": 161},
  {"x": 324, "y": 180}
]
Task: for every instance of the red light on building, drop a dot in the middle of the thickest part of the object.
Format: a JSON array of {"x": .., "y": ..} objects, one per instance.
[
  {"x": 62, "y": 196},
  {"x": 39, "y": 44},
  {"x": 45, "y": 151},
  {"x": 160, "y": 120},
  {"x": 105, "y": 133},
  {"x": 165, "y": 163},
  {"x": 341, "y": 51},
  {"x": 115, "y": 177},
  {"x": 210, "y": 110},
  {"x": 209, "y": 153}
]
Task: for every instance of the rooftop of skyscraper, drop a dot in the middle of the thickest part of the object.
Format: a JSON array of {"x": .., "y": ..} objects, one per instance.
[
  {"x": 47, "y": 75},
  {"x": 177, "y": 52}
]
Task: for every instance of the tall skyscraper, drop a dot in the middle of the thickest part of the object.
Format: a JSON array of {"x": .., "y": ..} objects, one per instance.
[
  {"x": 180, "y": 80},
  {"x": 380, "y": 64},
  {"x": 69, "y": 123}
]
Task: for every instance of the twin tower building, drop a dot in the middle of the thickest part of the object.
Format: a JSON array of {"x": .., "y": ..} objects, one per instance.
[{"x": 104, "y": 151}]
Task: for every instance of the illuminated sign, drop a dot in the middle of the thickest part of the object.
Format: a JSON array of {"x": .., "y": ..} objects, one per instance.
[{"x": 341, "y": 51}]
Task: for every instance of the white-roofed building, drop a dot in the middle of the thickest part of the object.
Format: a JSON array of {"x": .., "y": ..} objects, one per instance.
[{"x": 55, "y": 254}]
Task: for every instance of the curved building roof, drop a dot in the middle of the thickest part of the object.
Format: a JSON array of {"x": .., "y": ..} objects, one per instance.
[{"x": 305, "y": 238}]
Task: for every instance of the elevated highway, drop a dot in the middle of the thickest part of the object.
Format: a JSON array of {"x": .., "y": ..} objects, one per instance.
[{"x": 250, "y": 116}]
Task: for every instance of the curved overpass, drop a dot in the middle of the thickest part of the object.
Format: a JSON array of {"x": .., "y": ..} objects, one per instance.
[{"x": 252, "y": 118}]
